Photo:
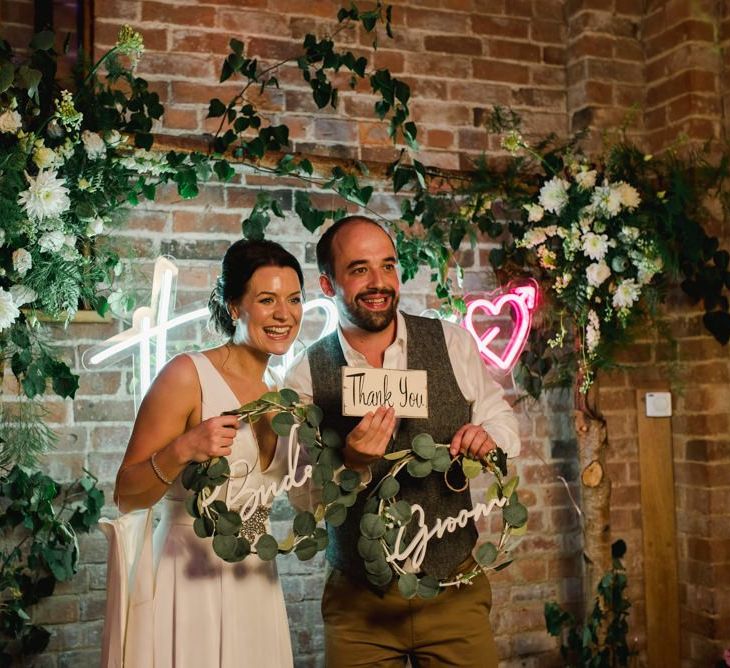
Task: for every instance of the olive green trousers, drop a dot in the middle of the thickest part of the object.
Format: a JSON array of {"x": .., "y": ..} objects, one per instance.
[{"x": 364, "y": 628}]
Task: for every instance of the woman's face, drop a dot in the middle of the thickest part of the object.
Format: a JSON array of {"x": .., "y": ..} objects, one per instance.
[{"x": 269, "y": 314}]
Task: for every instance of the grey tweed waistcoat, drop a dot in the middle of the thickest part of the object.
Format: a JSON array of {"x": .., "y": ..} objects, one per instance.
[{"x": 448, "y": 410}]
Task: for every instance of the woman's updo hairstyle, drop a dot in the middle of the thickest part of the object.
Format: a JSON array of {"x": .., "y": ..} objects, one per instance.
[{"x": 240, "y": 262}]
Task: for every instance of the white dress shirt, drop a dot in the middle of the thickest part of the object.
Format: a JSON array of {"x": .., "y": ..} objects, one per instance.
[{"x": 486, "y": 397}]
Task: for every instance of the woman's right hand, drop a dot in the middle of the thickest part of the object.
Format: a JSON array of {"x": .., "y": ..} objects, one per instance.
[{"x": 211, "y": 438}]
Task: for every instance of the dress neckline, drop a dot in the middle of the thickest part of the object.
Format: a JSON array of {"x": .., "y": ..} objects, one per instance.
[{"x": 222, "y": 378}]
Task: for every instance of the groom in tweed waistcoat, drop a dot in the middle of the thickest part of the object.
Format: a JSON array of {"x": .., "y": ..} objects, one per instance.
[{"x": 365, "y": 626}]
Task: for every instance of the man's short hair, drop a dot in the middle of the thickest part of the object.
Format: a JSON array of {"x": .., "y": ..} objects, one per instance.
[{"x": 325, "y": 261}]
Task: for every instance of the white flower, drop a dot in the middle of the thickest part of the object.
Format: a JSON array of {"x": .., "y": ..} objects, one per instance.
[
  {"x": 113, "y": 138},
  {"x": 2, "y": 237},
  {"x": 606, "y": 200},
  {"x": 52, "y": 242},
  {"x": 95, "y": 226},
  {"x": 533, "y": 237},
  {"x": 10, "y": 121},
  {"x": 22, "y": 294},
  {"x": 626, "y": 294},
  {"x": 630, "y": 197},
  {"x": 597, "y": 272},
  {"x": 554, "y": 195},
  {"x": 44, "y": 157},
  {"x": 8, "y": 310},
  {"x": 93, "y": 144},
  {"x": 47, "y": 196},
  {"x": 586, "y": 180},
  {"x": 629, "y": 234},
  {"x": 595, "y": 246},
  {"x": 534, "y": 213},
  {"x": 593, "y": 331},
  {"x": 22, "y": 261}
]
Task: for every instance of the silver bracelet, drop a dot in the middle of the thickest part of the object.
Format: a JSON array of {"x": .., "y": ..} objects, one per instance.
[{"x": 157, "y": 471}]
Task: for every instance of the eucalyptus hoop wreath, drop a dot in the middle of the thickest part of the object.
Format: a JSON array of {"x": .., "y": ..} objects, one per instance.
[{"x": 238, "y": 533}]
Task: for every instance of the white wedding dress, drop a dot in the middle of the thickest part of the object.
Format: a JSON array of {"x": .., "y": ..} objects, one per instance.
[{"x": 172, "y": 602}]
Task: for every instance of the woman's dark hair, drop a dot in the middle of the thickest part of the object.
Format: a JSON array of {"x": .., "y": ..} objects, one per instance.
[{"x": 240, "y": 262}]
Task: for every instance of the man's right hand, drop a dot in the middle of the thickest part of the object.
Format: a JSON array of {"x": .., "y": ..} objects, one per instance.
[{"x": 368, "y": 441}]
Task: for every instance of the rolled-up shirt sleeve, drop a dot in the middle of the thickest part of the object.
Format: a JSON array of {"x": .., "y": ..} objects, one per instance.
[{"x": 486, "y": 396}]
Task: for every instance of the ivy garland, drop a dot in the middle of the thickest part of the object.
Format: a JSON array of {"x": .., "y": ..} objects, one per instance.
[
  {"x": 231, "y": 535},
  {"x": 385, "y": 514}
]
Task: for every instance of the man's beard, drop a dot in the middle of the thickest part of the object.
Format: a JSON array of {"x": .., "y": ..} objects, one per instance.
[{"x": 371, "y": 321}]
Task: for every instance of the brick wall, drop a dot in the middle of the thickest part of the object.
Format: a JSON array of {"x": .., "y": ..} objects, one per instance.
[{"x": 564, "y": 65}]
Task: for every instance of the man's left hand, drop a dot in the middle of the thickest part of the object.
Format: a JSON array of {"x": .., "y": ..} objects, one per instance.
[{"x": 472, "y": 441}]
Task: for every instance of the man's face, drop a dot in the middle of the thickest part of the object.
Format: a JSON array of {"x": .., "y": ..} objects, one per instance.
[{"x": 365, "y": 285}]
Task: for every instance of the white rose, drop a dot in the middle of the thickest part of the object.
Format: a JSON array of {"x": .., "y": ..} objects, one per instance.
[
  {"x": 10, "y": 121},
  {"x": 52, "y": 242},
  {"x": 597, "y": 272},
  {"x": 22, "y": 261},
  {"x": 95, "y": 226},
  {"x": 93, "y": 144},
  {"x": 22, "y": 294},
  {"x": 44, "y": 157},
  {"x": 534, "y": 212},
  {"x": 8, "y": 310}
]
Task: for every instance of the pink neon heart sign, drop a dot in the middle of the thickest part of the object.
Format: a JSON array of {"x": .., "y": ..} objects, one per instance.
[{"x": 522, "y": 301}]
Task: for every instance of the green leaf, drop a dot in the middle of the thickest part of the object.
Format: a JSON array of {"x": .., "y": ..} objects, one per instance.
[
  {"x": 486, "y": 554},
  {"x": 203, "y": 527},
  {"x": 216, "y": 108},
  {"x": 218, "y": 467},
  {"x": 400, "y": 511},
  {"x": 395, "y": 456},
  {"x": 307, "y": 549},
  {"x": 369, "y": 549},
  {"x": 225, "y": 547},
  {"x": 515, "y": 514},
  {"x": 236, "y": 46},
  {"x": 408, "y": 585},
  {"x": 388, "y": 487},
  {"x": 266, "y": 547},
  {"x": 282, "y": 423},
  {"x": 304, "y": 524},
  {"x": 335, "y": 514},
  {"x": 330, "y": 492},
  {"x": 371, "y": 526},
  {"x": 288, "y": 397},
  {"x": 511, "y": 486},
  {"x": 228, "y": 523},
  {"x": 424, "y": 446},
  {"x": 349, "y": 480},
  {"x": 419, "y": 469},
  {"x": 472, "y": 468},
  {"x": 428, "y": 587},
  {"x": 441, "y": 461},
  {"x": 7, "y": 74},
  {"x": 314, "y": 415},
  {"x": 42, "y": 41}
]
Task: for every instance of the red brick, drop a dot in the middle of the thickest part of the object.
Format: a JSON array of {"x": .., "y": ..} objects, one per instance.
[
  {"x": 443, "y": 22},
  {"x": 197, "y": 41},
  {"x": 444, "y": 44},
  {"x": 500, "y": 27},
  {"x": 509, "y": 50},
  {"x": 498, "y": 70},
  {"x": 194, "y": 15},
  {"x": 457, "y": 67}
]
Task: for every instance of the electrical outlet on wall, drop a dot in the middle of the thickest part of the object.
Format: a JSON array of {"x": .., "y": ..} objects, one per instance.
[{"x": 658, "y": 404}]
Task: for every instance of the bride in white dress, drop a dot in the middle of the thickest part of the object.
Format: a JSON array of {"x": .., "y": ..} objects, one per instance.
[{"x": 182, "y": 606}]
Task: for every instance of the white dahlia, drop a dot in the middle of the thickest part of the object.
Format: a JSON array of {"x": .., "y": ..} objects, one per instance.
[
  {"x": 8, "y": 310},
  {"x": 595, "y": 246},
  {"x": 46, "y": 197},
  {"x": 626, "y": 294},
  {"x": 554, "y": 195}
]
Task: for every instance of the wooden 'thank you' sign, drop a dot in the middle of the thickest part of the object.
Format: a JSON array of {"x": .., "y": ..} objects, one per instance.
[{"x": 364, "y": 389}]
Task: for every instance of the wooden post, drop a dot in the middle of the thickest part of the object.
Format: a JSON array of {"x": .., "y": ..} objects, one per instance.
[{"x": 656, "y": 465}]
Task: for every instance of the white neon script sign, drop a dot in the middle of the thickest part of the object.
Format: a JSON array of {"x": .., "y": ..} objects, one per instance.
[
  {"x": 522, "y": 300},
  {"x": 151, "y": 324}
]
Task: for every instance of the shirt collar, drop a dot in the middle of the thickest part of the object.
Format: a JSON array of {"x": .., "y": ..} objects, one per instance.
[{"x": 355, "y": 358}]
